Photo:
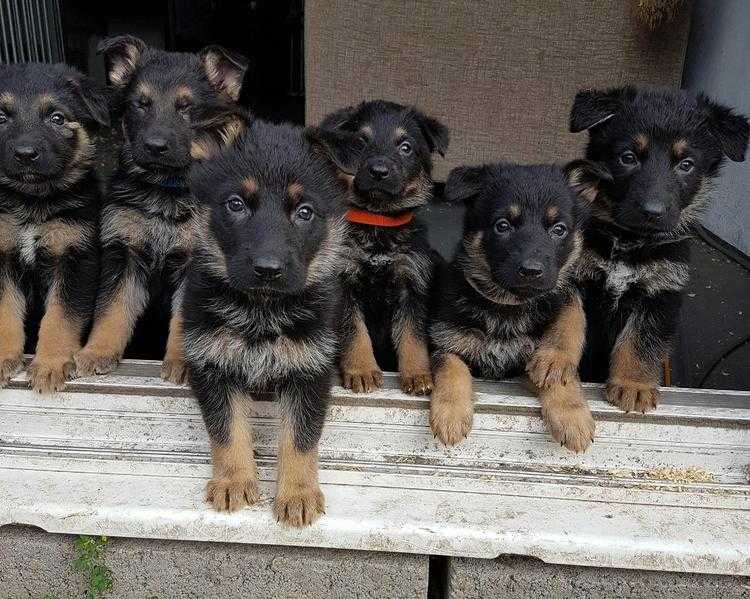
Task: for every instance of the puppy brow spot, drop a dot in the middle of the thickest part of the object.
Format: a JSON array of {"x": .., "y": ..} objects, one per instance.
[
  {"x": 680, "y": 147},
  {"x": 295, "y": 191},
  {"x": 514, "y": 211},
  {"x": 44, "y": 102},
  {"x": 7, "y": 101},
  {"x": 249, "y": 187},
  {"x": 400, "y": 132},
  {"x": 183, "y": 93},
  {"x": 641, "y": 142},
  {"x": 366, "y": 131},
  {"x": 145, "y": 90},
  {"x": 553, "y": 212}
]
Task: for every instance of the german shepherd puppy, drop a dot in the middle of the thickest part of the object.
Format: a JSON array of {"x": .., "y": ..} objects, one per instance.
[
  {"x": 261, "y": 308},
  {"x": 384, "y": 151},
  {"x": 49, "y": 204},
  {"x": 148, "y": 218},
  {"x": 662, "y": 147},
  {"x": 507, "y": 304}
]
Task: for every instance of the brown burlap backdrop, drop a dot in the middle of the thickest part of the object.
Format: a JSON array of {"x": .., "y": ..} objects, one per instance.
[{"x": 501, "y": 74}]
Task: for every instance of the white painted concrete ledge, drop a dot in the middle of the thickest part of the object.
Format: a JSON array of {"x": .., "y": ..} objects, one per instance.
[{"x": 127, "y": 455}]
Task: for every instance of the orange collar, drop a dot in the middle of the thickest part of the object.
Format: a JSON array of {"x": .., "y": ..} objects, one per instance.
[{"x": 362, "y": 217}]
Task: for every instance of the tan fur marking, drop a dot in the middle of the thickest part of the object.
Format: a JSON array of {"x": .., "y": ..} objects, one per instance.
[
  {"x": 183, "y": 94},
  {"x": 123, "y": 68},
  {"x": 8, "y": 232},
  {"x": 232, "y": 131},
  {"x": 400, "y": 133},
  {"x": 7, "y": 101},
  {"x": 299, "y": 500},
  {"x": 57, "y": 236},
  {"x": 201, "y": 149},
  {"x": 679, "y": 148},
  {"x": 479, "y": 274},
  {"x": 112, "y": 330},
  {"x": 588, "y": 190},
  {"x": 632, "y": 384},
  {"x": 44, "y": 102},
  {"x": 249, "y": 187},
  {"x": 295, "y": 192},
  {"x": 555, "y": 361},
  {"x": 514, "y": 211},
  {"x": 174, "y": 368},
  {"x": 59, "y": 339},
  {"x": 12, "y": 337},
  {"x": 359, "y": 369},
  {"x": 641, "y": 142},
  {"x": 567, "y": 415},
  {"x": 413, "y": 364},
  {"x": 146, "y": 90},
  {"x": 452, "y": 405},
  {"x": 553, "y": 212},
  {"x": 230, "y": 84},
  {"x": 234, "y": 483},
  {"x": 367, "y": 131}
]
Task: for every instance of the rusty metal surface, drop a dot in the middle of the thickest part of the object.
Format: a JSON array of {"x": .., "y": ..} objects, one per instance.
[{"x": 127, "y": 455}]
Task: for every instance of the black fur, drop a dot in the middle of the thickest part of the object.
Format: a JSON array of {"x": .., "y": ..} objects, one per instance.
[
  {"x": 662, "y": 148},
  {"x": 49, "y": 203},
  {"x": 385, "y": 151}
]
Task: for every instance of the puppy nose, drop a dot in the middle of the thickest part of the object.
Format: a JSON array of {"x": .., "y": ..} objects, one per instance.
[
  {"x": 267, "y": 268},
  {"x": 378, "y": 171},
  {"x": 531, "y": 269},
  {"x": 156, "y": 145},
  {"x": 26, "y": 153},
  {"x": 654, "y": 209}
]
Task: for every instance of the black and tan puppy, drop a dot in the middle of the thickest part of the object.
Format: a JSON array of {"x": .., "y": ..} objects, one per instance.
[
  {"x": 507, "y": 304},
  {"x": 662, "y": 148},
  {"x": 384, "y": 150},
  {"x": 49, "y": 203},
  {"x": 261, "y": 308},
  {"x": 148, "y": 217}
]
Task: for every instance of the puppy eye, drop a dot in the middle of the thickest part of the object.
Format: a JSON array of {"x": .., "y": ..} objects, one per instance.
[
  {"x": 502, "y": 225},
  {"x": 57, "y": 118},
  {"x": 405, "y": 148},
  {"x": 235, "y": 204},
  {"x": 305, "y": 212},
  {"x": 686, "y": 165},
  {"x": 628, "y": 158},
  {"x": 559, "y": 230},
  {"x": 3, "y": 118},
  {"x": 141, "y": 104}
]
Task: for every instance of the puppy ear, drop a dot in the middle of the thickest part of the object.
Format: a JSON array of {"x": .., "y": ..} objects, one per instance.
[
  {"x": 342, "y": 148},
  {"x": 94, "y": 98},
  {"x": 225, "y": 70},
  {"x": 216, "y": 127},
  {"x": 592, "y": 108},
  {"x": 465, "y": 183},
  {"x": 436, "y": 134},
  {"x": 121, "y": 56},
  {"x": 343, "y": 119},
  {"x": 586, "y": 178},
  {"x": 730, "y": 130}
]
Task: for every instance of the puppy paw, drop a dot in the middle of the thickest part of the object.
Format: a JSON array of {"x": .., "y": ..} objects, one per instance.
[
  {"x": 89, "y": 363},
  {"x": 549, "y": 366},
  {"x": 362, "y": 380},
  {"x": 49, "y": 376},
  {"x": 451, "y": 418},
  {"x": 632, "y": 396},
  {"x": 174, "y": 371},
  {"x": 416, "y": 383},
  {"x": 9, "y": 367},
  {"x": 572, "y": 426},
  {"x": 230, "y": 495},
  {"x": 299, "y": 508}
]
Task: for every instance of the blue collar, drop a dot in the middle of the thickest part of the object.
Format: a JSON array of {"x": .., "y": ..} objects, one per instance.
[{"x": 175, "y": 183}]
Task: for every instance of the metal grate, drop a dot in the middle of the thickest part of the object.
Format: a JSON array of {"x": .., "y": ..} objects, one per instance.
[{"x": 30, "y": 31}]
